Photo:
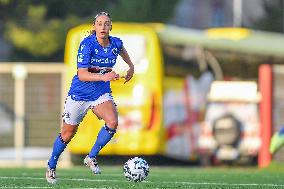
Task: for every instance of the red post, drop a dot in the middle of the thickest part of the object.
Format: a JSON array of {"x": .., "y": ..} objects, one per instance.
[{"x": 265, "y": 87}]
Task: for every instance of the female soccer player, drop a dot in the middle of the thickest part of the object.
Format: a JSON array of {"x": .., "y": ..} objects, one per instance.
[{"x": 90, "y": 89}]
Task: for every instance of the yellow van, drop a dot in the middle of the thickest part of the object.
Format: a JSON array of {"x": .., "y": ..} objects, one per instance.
[{"x": 139, "y": 101}]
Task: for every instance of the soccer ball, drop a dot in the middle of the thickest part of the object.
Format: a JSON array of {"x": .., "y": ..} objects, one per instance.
[{"x": 136, "y": 169}]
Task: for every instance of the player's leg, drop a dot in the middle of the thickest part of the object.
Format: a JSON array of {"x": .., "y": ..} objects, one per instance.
[
  {"x": 66, "y": 134},
  {"x": 74, "y": 112},
  {"x": 107, "y": 111}
]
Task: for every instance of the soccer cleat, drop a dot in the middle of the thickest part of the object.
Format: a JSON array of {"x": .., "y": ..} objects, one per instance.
[
  {"x": 50, "y": 175},
  {"x": 93, "y": 164}
]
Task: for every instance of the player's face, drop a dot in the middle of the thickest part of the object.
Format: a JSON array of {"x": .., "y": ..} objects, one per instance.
[{"x": 102, "y": 26}]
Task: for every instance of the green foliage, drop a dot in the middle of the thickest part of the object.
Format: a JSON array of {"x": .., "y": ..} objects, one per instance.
[
  {"x": 4, "y": 2},
  {"x": 37, "y": 29},
  {"x": 143, "y": 11},
  {"x": 37, "y": 36}
]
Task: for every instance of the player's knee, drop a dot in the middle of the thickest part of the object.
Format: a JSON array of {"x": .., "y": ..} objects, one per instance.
[
  {"x": 67, "y": 134},
  {"x": 112, "y": 123}
]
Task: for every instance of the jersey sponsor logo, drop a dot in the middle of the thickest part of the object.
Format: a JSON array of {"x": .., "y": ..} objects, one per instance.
[{"x": 103, "y": 60}]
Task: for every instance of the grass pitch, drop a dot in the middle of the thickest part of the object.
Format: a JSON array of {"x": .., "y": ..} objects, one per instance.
[{"x": 159, "y": 178}]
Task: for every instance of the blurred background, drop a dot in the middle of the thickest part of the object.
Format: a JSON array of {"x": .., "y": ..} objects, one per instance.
[{"x": 208, "y": 84}]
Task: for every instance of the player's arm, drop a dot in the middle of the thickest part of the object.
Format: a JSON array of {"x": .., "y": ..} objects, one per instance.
[
  {"x": 85, "y": 75},
  {"x": 124, "y": 55},
  {"x": 83, "y": 63}
]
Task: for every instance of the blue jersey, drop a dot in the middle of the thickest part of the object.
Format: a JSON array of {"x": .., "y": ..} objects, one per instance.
[{"x": 92, "y": 55}]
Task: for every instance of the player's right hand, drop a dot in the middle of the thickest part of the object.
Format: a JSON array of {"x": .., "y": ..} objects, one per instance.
[{"x": 110, "y": 76}]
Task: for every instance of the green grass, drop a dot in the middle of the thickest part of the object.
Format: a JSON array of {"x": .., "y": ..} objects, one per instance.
[{"x": 159, "y": 177}]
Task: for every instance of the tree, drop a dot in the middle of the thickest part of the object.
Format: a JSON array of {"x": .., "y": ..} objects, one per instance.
[
  {"x": 37, "y": 29},
  {"x": 37, "y": 36}
]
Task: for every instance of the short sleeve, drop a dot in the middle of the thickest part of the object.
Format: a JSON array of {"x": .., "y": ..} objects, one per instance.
[
  {"x": 119, "y": 43},
  {"x": 84, "y": 55}
]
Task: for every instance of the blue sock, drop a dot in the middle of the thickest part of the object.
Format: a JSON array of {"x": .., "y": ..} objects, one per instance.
[
  {"x": 103, "y": 138},
  {"x": 58, "y": 147}
]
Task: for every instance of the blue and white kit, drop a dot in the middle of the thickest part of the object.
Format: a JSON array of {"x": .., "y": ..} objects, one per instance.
[{"x": 84, "y": 95}]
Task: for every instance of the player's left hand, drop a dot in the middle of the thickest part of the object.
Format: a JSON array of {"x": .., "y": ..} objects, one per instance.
[{"x": 129, "y": 74}]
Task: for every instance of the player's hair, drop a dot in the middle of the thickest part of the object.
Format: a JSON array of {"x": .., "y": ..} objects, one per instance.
[
  {"x": 97, "y": 15},
  {"x": 102, "y": 13}
]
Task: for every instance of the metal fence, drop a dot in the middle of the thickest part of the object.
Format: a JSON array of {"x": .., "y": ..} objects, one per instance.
[{"x": 31, "y": 102}]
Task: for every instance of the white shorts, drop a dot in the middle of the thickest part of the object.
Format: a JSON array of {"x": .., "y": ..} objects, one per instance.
[{"x": 75, "y": 111}]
